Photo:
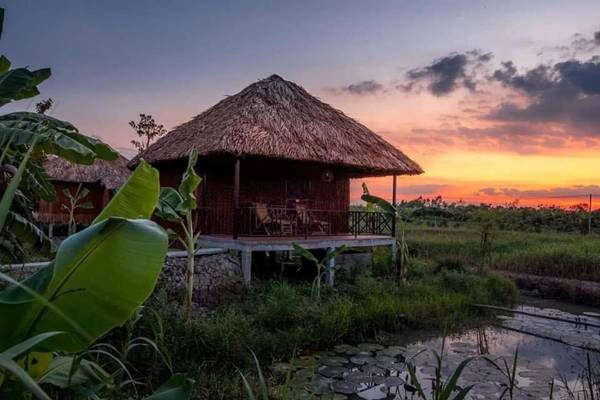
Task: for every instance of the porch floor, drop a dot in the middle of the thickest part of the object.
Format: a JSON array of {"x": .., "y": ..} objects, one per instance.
[{"x": 285, "y": 243}]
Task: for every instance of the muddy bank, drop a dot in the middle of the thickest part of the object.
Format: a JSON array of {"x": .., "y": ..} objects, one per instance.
[{"x": 577, "y": 291}]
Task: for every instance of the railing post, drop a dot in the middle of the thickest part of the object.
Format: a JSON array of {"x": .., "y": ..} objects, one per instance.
[
  {"x": 394, "y": 203},
  {"x": 306, "y": 220},
  {"x": 236, "y": 198}
]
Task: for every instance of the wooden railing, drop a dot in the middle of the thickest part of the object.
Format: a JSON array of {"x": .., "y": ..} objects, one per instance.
[{"x": 281, "y": 221}]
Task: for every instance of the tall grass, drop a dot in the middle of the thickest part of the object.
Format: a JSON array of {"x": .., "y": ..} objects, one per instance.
[
  {"x": 559, "y": 255},
  {"x": 280, "y": 319}
]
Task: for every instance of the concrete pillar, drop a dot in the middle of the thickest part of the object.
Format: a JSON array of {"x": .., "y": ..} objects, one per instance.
[
  {"x": 246, "y": 261},
  {"x": 50, "y": 230},
  {"x": 394, "y": 250},
  {"x": 330, "y": 275}
]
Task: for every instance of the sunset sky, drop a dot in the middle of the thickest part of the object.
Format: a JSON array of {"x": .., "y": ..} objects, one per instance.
[{"x": 498, "y": 101}]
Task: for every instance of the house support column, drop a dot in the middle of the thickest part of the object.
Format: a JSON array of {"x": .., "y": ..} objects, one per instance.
[
  {"x": 394, "y": 203},
  {"x": 330, "y": 275},
  {"x": 246, "y": 261},
  {"x": 236, "y": 198}
]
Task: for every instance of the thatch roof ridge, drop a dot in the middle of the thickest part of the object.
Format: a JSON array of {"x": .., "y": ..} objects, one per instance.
[
  {"x": 279, "y": 119},
  {"x": 110, "y": 174}
]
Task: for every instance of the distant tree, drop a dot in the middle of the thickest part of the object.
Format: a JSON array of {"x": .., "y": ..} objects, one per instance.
[
  {"x": 148, "y": 130},
  {"x": 43, "y": 106}
]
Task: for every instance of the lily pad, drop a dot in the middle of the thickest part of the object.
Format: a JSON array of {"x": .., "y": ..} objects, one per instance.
[
  {"x": 333, "y": 372},
  {"x": 335, "y": 361},
  {"x": 362, "y": 360},
  {"x": 370, "y": 347},
  {"x": 345, "y": 387}
]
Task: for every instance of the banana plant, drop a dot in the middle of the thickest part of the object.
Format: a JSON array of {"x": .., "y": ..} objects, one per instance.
[
  {"x": 323, "y": 266},
  {"x": 402, "y": 253},
  {"x": 75, "y": 202},
  {"x": 178, "y": 206},
  {"x": 81, "y": 294}
]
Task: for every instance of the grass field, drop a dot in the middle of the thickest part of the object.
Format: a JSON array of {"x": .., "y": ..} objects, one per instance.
[{"x": 562, "y": 255}]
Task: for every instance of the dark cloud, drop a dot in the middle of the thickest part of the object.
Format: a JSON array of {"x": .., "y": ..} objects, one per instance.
[
  {"x": 515, "y": 137},
  {"x": 444, "y": 75},
  {"x": 569, "y": 191},
  {"x": 363, "y": 88},
  {"x": 567, "y": 92},
  {"x": 581, "y": 45}
]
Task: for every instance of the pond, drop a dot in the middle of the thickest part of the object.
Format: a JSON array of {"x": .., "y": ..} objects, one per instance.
[{"x": 549, "y": 350}]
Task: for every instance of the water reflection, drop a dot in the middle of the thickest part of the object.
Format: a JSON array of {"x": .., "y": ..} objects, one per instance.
[{"x": 547, "y": 349}]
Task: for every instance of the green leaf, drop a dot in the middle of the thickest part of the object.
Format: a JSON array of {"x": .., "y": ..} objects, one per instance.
[
  {"x": 69, "y": 372},
  {"x": 189, "y": 183},
  {"x": 452, "y": 384},
  {"x": 169, "y": 202},
  {"x": 301, "y": 251},
  {"x": 11, "y": 189},
  {"x": 54, "y": 137},
  {"x": 1, "y": 20},
  {"x": 137, "y": 198},
  {"x": 334, "y": 253},
  {"x": 13, "y": 82},
  {"x": 24, "y": 347},
  {"x": 100, "y": 276},
  {"x": 178, "y": 387},
  {"x": 382, "y": 204},
  {"x": 23, "y": 377},
  {"x": 4, "y": 65}
]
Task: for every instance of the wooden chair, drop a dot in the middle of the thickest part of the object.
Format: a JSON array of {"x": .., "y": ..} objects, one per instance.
[
  {"x": 263, "y": 219},
  {"x": 269, "y": 222},
  {"x": 311, "y": 223}
]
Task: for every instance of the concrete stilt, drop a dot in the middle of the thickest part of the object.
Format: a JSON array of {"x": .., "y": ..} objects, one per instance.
[
  {"x": 246, "y": 261},
  {"x": 330, "y": 276},
  {"x": 394, "y": 250}
]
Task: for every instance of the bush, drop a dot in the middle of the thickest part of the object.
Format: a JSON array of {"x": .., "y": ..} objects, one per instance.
[{"x": 450, "y": 264}]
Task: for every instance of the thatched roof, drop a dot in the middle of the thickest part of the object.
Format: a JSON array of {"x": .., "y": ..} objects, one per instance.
[
  {"x": 278, "y": 119},
  {"x": 110, "y": 174}
]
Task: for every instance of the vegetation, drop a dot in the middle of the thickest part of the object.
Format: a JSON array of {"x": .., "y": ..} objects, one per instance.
[
  {"x": 511, "y": 217},
  {"x": 280, "y": 319},
  {"x": 148, "y": 130},
  {"x": 441, "y": 389},
  {"x": 324, "y": 266},
  {"x": 75, "y": 201},
  {"x": 178, "y": 206},
  {"x": 49, "y": 321},
  {"x": 394, "y": 210},
  {"x": 558, "y": 255}
]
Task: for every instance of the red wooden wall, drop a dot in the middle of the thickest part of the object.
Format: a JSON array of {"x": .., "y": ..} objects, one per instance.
[{"x": 274, "y": 182}]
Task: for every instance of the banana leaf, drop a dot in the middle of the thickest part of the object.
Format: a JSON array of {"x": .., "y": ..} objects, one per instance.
[
  {"x": 178, "y": 387},
  {"x": 384, "y": 205},
  {"x": 100, "y": 276},
  {"x": 301, "y": 251},
  {"x": 13, "y": 186},
  {"x": 189, "y": 183},
  {"x": 137, "y": 198},
  {"x": 170, "y": 201},
  {"x": 54, "y": 137}
]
